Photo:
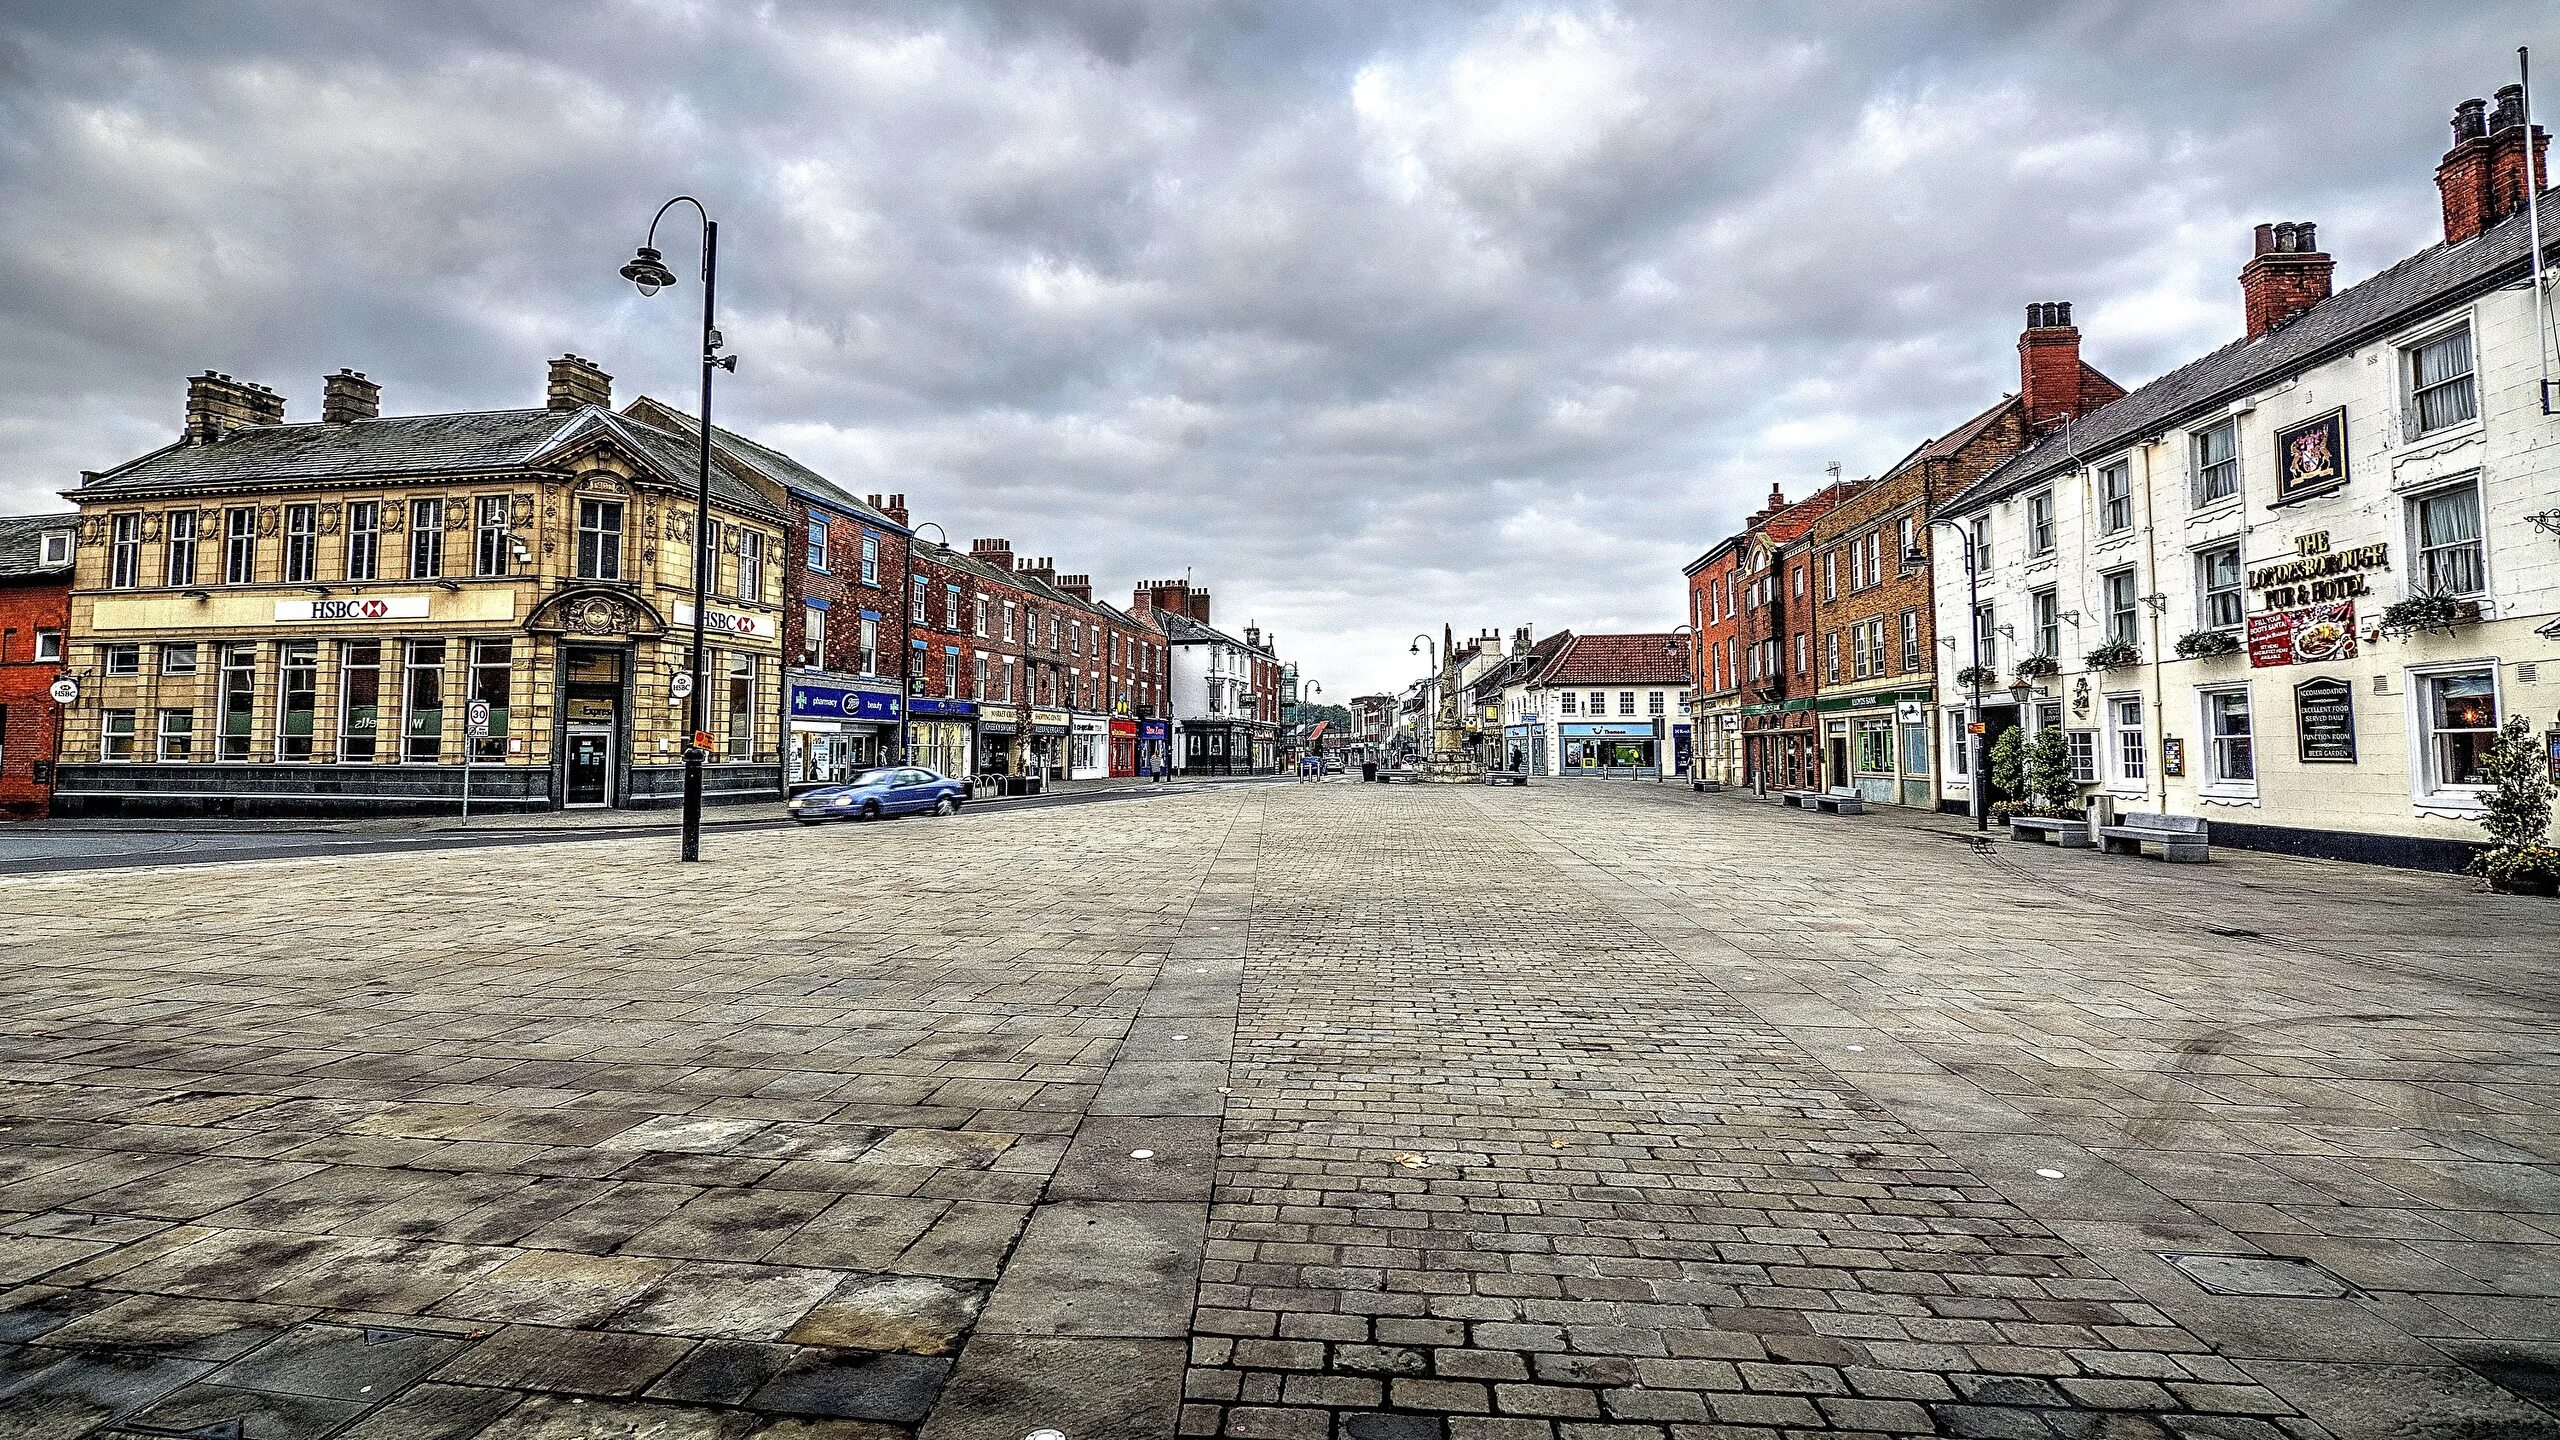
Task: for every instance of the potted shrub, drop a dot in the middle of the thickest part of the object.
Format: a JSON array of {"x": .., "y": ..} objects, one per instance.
[
  {"x": 1977, "y": 676},
  {"x": 2049, "y": 789},
  {"x": 2008, "y": 763},
  {"x": 2516, "y": 811},
  {"x": 2114, "y": 655},
  {"x": 2038, "y": 667},
  {"x": 2205, "y": 644},
  {"x": 2426, "y": 610}
]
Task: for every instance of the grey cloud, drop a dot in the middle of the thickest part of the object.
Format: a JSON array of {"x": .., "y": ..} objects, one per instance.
[{"x": 1371, "y": 315}]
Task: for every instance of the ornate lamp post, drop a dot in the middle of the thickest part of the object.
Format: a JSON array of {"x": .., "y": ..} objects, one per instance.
[{"x": 649, "y": 272}]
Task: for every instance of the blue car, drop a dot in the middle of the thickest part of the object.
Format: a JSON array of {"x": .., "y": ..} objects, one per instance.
[{"x": 888, "y": 790}]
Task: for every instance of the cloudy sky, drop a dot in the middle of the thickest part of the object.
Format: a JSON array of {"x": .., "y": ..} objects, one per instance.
[{"x": 1370, "y": 316}]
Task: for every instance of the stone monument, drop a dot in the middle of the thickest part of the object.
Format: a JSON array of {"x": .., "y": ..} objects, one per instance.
[{"x": 1449, "y": 763}]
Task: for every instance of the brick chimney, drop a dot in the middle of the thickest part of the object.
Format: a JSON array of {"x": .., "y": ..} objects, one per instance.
[
  {"x": 1520, "y": 641},
  {"x": 896, "y": 510},
  {"x": 218, "y": 405},
  {"x": 1199, "y": 602},
  {"x": 1080, "y": 586},
  {"x": 997, "y": 552},
  {"x": 576, "y": 381},
  {"x": 347, "y": 396},
  {"x": 2482, "y": 179},
  {"x": 2049, "y": 364},
  {"x": 1044, "y": 569},
  {"x": 2287, "y": 274}
]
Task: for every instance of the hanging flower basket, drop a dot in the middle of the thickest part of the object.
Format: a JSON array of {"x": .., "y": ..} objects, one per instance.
[
  {"x": 2114, "y": 655},
  {"x": 2205, "y": 644},
  {"x": 2038, "y": 667},
  {"x": 2426, "y": 610},
  {"x": 1972, "y": 676}
]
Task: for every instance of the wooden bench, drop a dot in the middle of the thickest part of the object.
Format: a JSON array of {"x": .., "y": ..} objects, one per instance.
[
  {"x": 2069, "y": 834},
  {"x": 2181, "y": 838},
  {"x": 1506, "y": 777}
]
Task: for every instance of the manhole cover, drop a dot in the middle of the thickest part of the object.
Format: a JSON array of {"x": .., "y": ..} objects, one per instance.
[{"x": 2277, "y": 1275}]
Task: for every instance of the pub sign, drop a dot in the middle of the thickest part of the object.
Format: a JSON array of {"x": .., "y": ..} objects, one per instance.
[{"x": 2311, "y": 458}]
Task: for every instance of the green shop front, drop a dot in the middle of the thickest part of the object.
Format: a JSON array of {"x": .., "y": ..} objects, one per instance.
[{"x": 1878, "y": 744}]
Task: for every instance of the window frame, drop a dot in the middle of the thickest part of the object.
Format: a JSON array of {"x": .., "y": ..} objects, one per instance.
[
  {"x": 2430, "y": 787},
  {"x": 2203, "y": 472},
  {"x": 2207, "y": 592},
  {"x": 178, "y": 551},
  {"x": 490, "y": 533},
  {"x": 2422, "y": 556},
  {"x": 297, "y": 660},
  {"x": 240, "y": 545},
  {"x": 163, "y": 733},
  {"x": 124, "y": 550},
  {"x": 2108, "y": 503},
  {"x": 2216, "y": 780},
  {"x": 593, "y": 535},
  {"x": 2041, "y": 530},
  {"x": 2415, "y": 394},
  {"x": 2131, "y": 612},
  {"x": 2128, "y": 769},
  {"x": 364, "y": 540},
  {"x": 301, "y": 543},
  {"x": 426, "y": 541}
]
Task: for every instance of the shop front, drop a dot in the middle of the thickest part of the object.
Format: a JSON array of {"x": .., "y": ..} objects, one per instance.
[
  {"x": 1610, "y": 751},
  {"x": 1089, "y": 747},
  {"x": 1046, "y": 744},
  {"x": 1124, "y": 747},
  {"x": 942, "y": 735},
  {"x": 1524, "y": 748},
  {"x": 1780, "y": 748},
  {"x": 1155, "y": 746},
  {"x": 838, "y": 726}
]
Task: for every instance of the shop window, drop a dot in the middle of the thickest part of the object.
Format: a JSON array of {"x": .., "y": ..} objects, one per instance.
[
  {"x": 359, "y": 699},
  {"x": 364, "y": 540},
  {"x": 297, "y": 697},
  {"x": 600, "y": 540},
  {"x": 2443, "y": 391},
  {"x": 493, "y": 681},
  {"x": 2458, "y": 710},
  {"x": 2219, "y": 582},
  {"x": 124, "y": 551},
  {"x": 2445, "y": 524},
  {"x": 177, "y": 734},
  {"x": 301, "y": 543},
  {"x": 1915, "y": 749},
  {"x": 426, "y": 539},
  {"x": 180, "y": 529},
  {"x": 422, "y": 739},
  {"x": 2215, "y": 457},
  {"x": 236, "y": 693},
  {"x": 489, "y": 539},
  {"x": 2233, "y": 761},
  {"x": 115, "y": 734}
]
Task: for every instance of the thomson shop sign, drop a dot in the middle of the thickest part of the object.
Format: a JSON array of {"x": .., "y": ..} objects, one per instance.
[{"x": 356, "y": 611}]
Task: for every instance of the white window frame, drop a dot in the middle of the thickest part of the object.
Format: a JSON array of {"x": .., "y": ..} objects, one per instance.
[
  {"x": 2419, "y": 551},
  {"x": 2202, "y": 474},
  {"x": 2044, "y": 616},
  {"x": 48, "y": 645},
  {"x": 2468, "y": 379},
  {"x": 57, "y": 548},
  {"x": 2425, "y": 789},
  {"x": 2135, "y": 777},
  {"x": 2108, "y": 524},
  {"x": 2040, "y": 526},
  {"x": 164, "y": 733},
  {"x": 2206, "y": 591},
  {"x": 2214, "y": 782},
  {"x": 2131, "y": 612}
]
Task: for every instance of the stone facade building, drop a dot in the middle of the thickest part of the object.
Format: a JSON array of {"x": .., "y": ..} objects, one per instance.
[{"x": 273, "y": 618}]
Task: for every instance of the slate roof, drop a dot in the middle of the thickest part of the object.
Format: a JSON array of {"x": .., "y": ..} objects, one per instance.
[
  {"x": 1650, "y": 658},
  {"x": 2434, "y": 279},
  {"x": 772, "y": 464},
  {"x": 1183, "y": 630},
  {"x": 484, "y": 442},
  {"x": 22, "y": 545},
  {"x": 1522, "y": 667}
]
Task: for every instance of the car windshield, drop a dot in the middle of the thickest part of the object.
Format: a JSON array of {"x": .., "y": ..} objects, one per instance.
[{"x": 883, "y": 776}]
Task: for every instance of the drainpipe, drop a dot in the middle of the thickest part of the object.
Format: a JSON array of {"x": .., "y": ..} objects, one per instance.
[{"x": 2151, "y": 567}]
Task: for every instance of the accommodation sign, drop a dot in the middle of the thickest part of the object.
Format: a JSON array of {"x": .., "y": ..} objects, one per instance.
[
  {"x": 2324, "y": 722},
  {"x": 2318, "y": 573},
  {"x": 355, "y": 611}
]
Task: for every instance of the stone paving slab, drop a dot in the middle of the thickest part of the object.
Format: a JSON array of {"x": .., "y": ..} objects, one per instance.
[{"x": 1590, "y": 1112}]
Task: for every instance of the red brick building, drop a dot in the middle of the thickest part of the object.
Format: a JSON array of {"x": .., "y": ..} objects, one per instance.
[
  {"x": 35, "y": 611},
  {"x": 1776, "y": 630},
  {"x": 1715, "y": 613}
]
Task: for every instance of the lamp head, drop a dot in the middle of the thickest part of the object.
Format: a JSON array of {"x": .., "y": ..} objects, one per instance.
[{"x": 648, "y": 271}]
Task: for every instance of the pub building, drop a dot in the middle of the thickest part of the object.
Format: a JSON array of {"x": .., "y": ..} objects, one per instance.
[
  {"x": 365, "y": 613},
  {"x": 2296, "y": 586}
]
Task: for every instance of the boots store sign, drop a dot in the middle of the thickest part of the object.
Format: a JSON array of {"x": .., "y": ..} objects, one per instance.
[{"x": 357, "y": 610}]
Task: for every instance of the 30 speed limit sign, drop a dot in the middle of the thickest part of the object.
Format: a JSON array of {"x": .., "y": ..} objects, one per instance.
[{"x": 476, "y": 719}]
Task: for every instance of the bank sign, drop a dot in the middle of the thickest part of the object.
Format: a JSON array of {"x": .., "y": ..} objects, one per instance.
[
  {"x": 727, "y": 622},
  {"x": 840, "y": 702},
  {"x": 356, "y": 611}
]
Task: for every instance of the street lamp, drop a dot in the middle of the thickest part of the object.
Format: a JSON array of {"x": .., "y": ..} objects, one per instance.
[
  {"x": 1697, "y": 740},
  {"x": 1913, "y": 559},
  {"x": 649, "y": 272},
  {"x": 907, "y": 647}
]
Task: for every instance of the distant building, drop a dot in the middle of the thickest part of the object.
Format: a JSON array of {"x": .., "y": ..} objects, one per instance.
[{"x": 35, "y": 614}]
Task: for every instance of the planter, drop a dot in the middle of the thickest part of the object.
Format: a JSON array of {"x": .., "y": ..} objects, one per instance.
[{"x": 2546, "y": 886}]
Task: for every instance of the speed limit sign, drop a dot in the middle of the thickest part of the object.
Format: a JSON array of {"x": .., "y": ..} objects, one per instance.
[{"x": 476, "y": 719}]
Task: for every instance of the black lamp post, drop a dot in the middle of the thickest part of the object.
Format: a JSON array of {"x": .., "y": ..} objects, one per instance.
[
  {"x": 650, "y": 273},
  {"x": 907, "y": 647},
  {"x": 1913, "y": 560}
]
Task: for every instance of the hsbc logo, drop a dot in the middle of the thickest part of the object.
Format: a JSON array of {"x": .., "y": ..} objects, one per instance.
[{"x": 358, "y": 610}]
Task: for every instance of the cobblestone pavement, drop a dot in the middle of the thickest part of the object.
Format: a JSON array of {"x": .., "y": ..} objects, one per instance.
[{"x": 1576, "y": 1113}]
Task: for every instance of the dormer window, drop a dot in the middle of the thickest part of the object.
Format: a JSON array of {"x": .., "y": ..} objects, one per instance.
[{"x": 57, "y": 548}]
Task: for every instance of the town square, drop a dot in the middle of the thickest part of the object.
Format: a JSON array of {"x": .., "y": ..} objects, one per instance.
[{"x": 1118, "y": 719}]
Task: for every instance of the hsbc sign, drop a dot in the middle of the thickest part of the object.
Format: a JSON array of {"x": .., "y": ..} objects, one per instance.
[{"x": 356, "y": 611}]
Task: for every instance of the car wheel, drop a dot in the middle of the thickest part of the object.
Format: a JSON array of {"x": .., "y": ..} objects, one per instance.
[
  {"x": 810, "y": 819},
  {"x": 946, "y": 806},
  {"x": 870, "y": 810}
]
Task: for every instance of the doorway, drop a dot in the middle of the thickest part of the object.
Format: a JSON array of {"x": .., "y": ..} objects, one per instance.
[
  {"x": 590, "y": 779},
  {"x": 1836, "y": 747}
]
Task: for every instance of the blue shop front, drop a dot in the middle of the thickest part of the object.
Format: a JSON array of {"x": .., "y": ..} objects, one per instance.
[
  {"x": 1155, "y": 746},
  {"x": 836, "y": 726},
  {"x": 1629, "y": 750},
  {"x": 942, "y": 735}
]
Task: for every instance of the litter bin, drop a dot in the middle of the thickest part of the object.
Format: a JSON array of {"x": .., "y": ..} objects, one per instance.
[{"x": 1368, "y": 771}]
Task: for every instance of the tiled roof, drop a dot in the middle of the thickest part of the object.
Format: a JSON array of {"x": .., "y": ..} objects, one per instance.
[
  {"x": 2434, "y": 279},
  {"x": 401, "y": 446},
  {"x": 775, "y": 466},
  {"x": 22, "y": 545},
  {"x": 1656, "y": 658},
  {"x": 1521, "y": 667}
]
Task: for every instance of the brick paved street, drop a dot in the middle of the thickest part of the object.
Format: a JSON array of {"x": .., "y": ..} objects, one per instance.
[{"x": 1584, "y": 1111}]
